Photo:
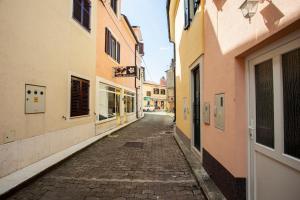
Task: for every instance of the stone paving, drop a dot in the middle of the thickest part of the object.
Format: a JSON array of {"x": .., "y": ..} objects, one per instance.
[{"x": 141, "y": 161}]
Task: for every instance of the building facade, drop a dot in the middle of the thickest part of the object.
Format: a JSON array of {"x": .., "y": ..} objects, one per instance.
[
  {"x": 49, "y": 79},
  {"x": 155, "y": 96},
  {"x": 236, "y": 110},
  {"x": 59, "y": 80},
  {"x": 170, "y": 74},
  {"x": 117, "y": 46}
]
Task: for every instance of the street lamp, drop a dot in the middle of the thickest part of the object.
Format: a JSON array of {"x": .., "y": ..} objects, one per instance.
[{"x": 249, "y": 8}]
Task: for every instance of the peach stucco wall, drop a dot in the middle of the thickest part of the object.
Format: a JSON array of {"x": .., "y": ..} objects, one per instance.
[
  {"x": 120, "y": 30},
  {"x": 224, "y": 73}
]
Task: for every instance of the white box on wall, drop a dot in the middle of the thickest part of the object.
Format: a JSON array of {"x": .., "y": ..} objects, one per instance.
[
  {"x": 219, "y": 111},
  {"x": 35, "y": 97}
]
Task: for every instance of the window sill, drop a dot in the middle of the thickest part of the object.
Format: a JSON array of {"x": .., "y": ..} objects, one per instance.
[
  {"x": 113, "y": 60},
  {"x": 106, "y": 120},
  {"x": 79, "y": 23},
  {"x": 78, "y": 117}
]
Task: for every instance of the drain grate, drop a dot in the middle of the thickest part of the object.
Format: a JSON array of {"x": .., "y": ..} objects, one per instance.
[
  {"x": 169, "y": 132},
  {"x": 138, "y": 145}
]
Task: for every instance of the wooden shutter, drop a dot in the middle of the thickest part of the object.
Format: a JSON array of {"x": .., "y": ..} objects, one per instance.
[
  {"x": 118, "y": 52},
  {"x": 77, "y": 10},
  {"x": 75, "y": 97},
  {"x": 79, "y": 97},
  {"x": 85, "y": 87},
  {"x": 186, "y": 13},
  {"x": 106, "y": 40}
]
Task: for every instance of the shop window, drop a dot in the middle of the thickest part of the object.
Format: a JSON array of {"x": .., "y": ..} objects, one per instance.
[
  {"x": 79, "y": 97},
  {"x": 155, "y": 91},
  {"x": 107, "y": 102},
  {"x": 81, "y": 12},
  {"x": 130, "y": 102},
  {"x": 149, "y": 93},
  {"x": 112, "y": 46},
  {"x": 163, "y": 91}
]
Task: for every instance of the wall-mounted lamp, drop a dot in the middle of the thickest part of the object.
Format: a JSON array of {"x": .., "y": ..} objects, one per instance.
[{"x": 249, "y": 8}]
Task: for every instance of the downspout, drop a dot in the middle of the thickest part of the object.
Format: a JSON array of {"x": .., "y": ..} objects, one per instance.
[
  {"x": 135, "y": 82},
  {"x": 174, "y": 49}
]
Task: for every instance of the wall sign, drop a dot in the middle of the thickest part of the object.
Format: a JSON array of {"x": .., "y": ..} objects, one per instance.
[{"x": 128, "y": 71}]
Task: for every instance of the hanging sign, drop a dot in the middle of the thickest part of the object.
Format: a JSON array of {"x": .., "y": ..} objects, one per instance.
[{"x": 128, "y": 71}]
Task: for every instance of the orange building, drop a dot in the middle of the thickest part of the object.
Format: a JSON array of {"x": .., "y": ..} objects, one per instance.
[{"x": 117, "y": 46}]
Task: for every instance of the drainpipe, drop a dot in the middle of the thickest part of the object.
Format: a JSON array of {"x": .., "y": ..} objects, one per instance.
[
  {"x": 174, "y": 49},
  {"x": 135, "y": 81}
]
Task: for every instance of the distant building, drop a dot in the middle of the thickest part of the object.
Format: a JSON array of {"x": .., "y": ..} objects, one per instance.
[
  {"x": 155, "y": 95},
  {"x": 171, "y": 87}
]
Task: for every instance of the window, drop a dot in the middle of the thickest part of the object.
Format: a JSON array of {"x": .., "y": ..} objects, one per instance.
[
  {"x": 291, "y": 102},
  {"x": 149, "y": 93},
  {"x": 155, "y": 91},
  {"x": 112, "y": 46},
  {"x": 190, "y": 8},
  {"x": 186, "y": 13},
  {"x": 108, "y": 103},
  {"x": 163, "y": 91},
  {"x": 79, "y": 97},
  {"x": 81, "y": 12},
  {"x": 264, "y": 103},
  {"x": 130, "y": 102},
  {"x": 196, "y": 5},
  {"x": 114, "y": 5}
]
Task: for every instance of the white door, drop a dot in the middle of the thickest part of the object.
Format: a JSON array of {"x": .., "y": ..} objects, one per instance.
[{"x": 274, "y": 123}]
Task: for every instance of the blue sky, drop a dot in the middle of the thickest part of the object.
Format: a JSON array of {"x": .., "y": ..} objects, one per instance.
[{"x": 150, "y": 15}]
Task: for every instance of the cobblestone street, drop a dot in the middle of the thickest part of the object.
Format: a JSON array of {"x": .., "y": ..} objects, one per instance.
[{"x": 141, "y": 161}]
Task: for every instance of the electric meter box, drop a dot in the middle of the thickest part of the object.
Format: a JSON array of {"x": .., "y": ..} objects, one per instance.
[
  {"x": 35, "y": 97},
  {"x": 206, "y": 113},
  {"x": 219, "y": 111}
]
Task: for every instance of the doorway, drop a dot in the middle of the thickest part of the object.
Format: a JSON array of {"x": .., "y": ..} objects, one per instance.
[
  {"x": 196, "y": 109},
  {"x": 274, "y": 155}
]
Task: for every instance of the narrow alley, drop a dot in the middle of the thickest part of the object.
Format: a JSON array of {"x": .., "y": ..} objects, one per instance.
[{"x": 141, "y": 161}]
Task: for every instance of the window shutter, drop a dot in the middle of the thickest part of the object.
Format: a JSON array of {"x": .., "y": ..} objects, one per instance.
[
  {"x": 186, "y": 13},
  {"x": 79, "y": 97},
  {"x": 75, "y": 97},
  {"x": 106, "y": 40},
  {"x": 118, "y": 52},
  {"x": 77, "y": 10},
  {"x": 85, "y": 85}
]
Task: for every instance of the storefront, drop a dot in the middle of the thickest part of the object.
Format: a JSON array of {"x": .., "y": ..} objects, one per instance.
[{"x": 115, "y": 105}]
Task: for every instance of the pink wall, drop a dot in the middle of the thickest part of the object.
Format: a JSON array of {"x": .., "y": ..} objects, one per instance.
[{"x": 223, "y": 72}]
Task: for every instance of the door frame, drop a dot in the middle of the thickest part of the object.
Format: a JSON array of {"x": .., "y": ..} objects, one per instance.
[
  {"x": 272, "y": 51},
  {"x": 197, "y": 63}
]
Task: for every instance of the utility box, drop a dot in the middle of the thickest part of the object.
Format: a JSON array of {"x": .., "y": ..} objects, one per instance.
[
  {"x": 219, "y": 111},
  {"x": 35, "y": 99},
  {"x": 206, "y": 113}
]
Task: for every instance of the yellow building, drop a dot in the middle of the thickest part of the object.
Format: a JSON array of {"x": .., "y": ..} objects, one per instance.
[
  {"x": 155, "y": 96},
  {"x": 234, "y": 101},
  {"x": 186, "y": 32}
]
